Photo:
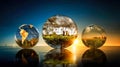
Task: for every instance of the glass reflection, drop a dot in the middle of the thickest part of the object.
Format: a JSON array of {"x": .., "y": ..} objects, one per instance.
[
  {"x": 94, "y": 58},
  {"x": 27, "y": 58},
  {"x": 59, "y": 58}
]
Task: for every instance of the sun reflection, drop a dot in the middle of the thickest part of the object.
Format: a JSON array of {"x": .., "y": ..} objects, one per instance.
[
  {"x": 74, "y": 53},
  {"x": 76, "y": 41},
  {"x": 73, "y": 47}
]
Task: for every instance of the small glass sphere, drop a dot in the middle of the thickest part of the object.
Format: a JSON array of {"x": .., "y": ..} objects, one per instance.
[
  {"x": 27, "y": 36},
  {"x": 93, "y": 36},
  {"x": 59, "y": 31}
]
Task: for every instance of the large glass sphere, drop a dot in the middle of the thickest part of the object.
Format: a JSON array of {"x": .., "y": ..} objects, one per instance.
[
  {"x": 93, "y": 36},
  {"x": 27, "y": 36},
  {"x": 59, "y": 31}
]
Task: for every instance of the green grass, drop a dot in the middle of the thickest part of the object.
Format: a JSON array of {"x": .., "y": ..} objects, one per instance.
[
  {"x": 61, "y": 40},
  {"x": 94, "y": 42}
]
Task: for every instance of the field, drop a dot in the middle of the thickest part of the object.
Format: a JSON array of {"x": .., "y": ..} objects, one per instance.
[
  {"x": 94, "y": 42},
  {"x": 59, "y": 41}
]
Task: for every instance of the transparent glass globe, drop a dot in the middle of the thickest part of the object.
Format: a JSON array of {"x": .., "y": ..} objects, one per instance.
[
  {"x": 93, "y": 36},
  {"x": 59, "y": 31},
  {"x": 27, "y": 36}
]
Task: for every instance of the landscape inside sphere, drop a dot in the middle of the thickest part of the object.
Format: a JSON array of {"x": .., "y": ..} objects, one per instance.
[
  {"x": 93, "y": 36},
  {"x": 59, "y": 31},
  {"x": 27, "y": 36}
]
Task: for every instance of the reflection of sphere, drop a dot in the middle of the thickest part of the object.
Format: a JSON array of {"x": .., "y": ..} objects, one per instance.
[
  {"x": 93, "y": 36},
  {"x": 58, "y": 57},
  {"x": 27, "y": 57},
  {"x": 59, "y": 31},
  {"x": 94, "y": 57},
  {"x": 27, "y": 36}
]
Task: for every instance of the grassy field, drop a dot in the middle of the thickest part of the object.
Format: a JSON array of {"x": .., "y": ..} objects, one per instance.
[
  {"x": 59, "y": 40},
  {"x": 94, "y": 42}
]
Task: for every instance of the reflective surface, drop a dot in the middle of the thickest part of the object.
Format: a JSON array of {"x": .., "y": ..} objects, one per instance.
[
  {"x": 27, "y": 57},
  {"x": 59, "y": 31},
  {"x": 57, "y": 57},
  {"x": 94, "y": 57},
  {"x": 48, "y": 57}
]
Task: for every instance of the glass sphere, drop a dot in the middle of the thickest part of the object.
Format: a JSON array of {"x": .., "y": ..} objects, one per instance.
[
  {"x": 59, "y": 31},
  {"x": 93, "y": 36},
  {"x": 27, "y": 36}
]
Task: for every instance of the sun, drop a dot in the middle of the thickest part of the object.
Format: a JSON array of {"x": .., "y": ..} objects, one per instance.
[
  {"x": 75, "y": 45},
  {"x": 76, "y": 41}
]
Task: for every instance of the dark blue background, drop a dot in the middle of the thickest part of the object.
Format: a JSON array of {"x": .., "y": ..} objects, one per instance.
[{"x": 13, "y": 13}]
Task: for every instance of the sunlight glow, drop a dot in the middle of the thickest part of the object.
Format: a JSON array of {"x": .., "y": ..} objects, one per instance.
[
  {"x": 76, "y": 41},
  {"x": 74, "y": 53}
]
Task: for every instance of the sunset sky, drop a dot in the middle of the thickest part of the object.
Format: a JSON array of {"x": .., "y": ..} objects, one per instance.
[{"x": 14, "y": 13}]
